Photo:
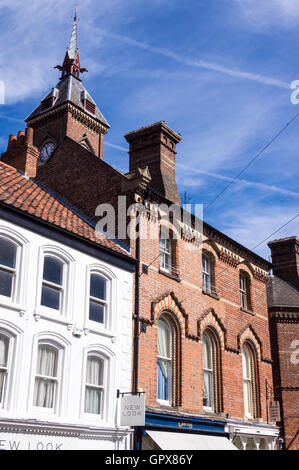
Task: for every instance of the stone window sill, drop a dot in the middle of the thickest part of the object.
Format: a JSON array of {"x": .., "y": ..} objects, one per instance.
[
  {"x": 211, "y": 294},
  {"x": 175, "y": 277},
  {"x": 248, "y": 311}
]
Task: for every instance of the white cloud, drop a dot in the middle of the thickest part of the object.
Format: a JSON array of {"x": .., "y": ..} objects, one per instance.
[{"x": 262, "y": 13}]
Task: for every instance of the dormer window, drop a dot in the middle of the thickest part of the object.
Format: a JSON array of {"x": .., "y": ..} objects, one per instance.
[{"x": 48, "y": 103}]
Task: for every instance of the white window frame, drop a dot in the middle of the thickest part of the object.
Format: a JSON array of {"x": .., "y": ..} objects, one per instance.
[
  {"x": 165, "y": 249},
  {"x": 210, "y": 372},
  {"x": 103, "y": 302},
  {"x": 244, "y": 291},
  {"x": 101, "y": 388},
  {"x": 8, "y": 369},
  {"x": 15, "y": 271},
  {"x": 109, "y": 394},
  {"x": 206, "y": 273},
  {"x": 56, "y": 409},
  {"x": 56, "y": 287},
  {"x": 248, "y": 381},
  {"x": 169, "y": 361},
  {"x": 111, "y": 305},
  {"x": 67, "y": 288}
]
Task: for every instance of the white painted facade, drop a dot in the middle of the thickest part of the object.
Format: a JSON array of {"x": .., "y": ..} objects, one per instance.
[{"x": 27, "y": 325}]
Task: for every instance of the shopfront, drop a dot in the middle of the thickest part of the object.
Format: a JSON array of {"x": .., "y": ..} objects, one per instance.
[{"x": 165, "y": 431}]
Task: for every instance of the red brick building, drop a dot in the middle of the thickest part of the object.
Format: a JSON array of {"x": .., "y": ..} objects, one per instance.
[
  {"x": 203, "y": 352},
  {"x": 283, "y": 300}
]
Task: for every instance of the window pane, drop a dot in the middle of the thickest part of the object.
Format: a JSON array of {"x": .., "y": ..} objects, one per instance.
[
  {"x": 93, "y": 401},
  {"x": 8, "y": 251},
  {"x": 208, "y": 392},
  {"x": 4, "y": 343},
  {"x": 94, "y": 371},
  {"x": 53, "y": 270},
  {"x": 6, "y": 280},
  {"x": 97, "y": 287},
  {"x": 206, "y": 264},
  {"x": 96, "y": 312},
  {"x": 44, "y": 393},
  {"x": 50, "y": 297},
  {"x": 47, "y": 361},
  {"x": 207, "y": 353},
  {"x": 163, "y": 380},
  {"x": 164, "y": 340}
]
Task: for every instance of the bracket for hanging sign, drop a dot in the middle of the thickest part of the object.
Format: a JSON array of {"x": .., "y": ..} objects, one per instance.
[{"x": 120, "y": 394}]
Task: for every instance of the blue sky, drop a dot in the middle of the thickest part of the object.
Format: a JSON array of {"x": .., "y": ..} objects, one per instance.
[{"x": 217, "y": 71}]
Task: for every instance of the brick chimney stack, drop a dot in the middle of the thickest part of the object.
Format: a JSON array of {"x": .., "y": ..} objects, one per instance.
[
  {"x": 21, "y": 153},
  {"x": 285, "y": 259},
  {"x": 154, "y": 147}
]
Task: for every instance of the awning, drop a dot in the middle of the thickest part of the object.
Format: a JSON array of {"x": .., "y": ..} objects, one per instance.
[{"x": 189, "y": 441}]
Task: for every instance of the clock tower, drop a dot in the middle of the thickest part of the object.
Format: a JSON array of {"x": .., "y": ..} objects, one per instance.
[{"x": 68, "y": 110}]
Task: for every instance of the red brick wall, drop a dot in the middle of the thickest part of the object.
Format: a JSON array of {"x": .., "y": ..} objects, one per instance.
[
  {"x": 190, "y": 309},
  {"x": 284, "y": 333},
  {"x": 61, "y": 124}
]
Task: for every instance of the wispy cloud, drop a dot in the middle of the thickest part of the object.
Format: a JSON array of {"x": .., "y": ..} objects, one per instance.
[
  {"x": 202, "y": 64},
  {"x": 122, "y": 149},
  {"x": 192, "y": 172},
  {"x": 262, "y": 13}
]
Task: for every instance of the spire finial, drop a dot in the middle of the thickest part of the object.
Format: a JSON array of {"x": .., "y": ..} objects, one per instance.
[{"x": 73, "y": 42}]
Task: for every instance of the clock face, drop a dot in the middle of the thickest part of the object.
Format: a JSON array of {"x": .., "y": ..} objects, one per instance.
[{"x": 47, "y": 151}]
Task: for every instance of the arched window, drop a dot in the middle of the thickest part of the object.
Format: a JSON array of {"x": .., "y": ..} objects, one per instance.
[
  {"x": 249, "y": 381},
  {"x": 211, "y": 357},
  {"x": 4, "y": 351},
  {"x": 245, "y": 293},
  {"x": 164, "y": 361},
  {"x": 47, "y": 376},
  {"x": 53, "y": 283},
  {"x": 98, "y": 299},
  {"x": 208, "y": 355},
  {"x": 94, "y": 385},
  {"x": 8, "y": 267}
]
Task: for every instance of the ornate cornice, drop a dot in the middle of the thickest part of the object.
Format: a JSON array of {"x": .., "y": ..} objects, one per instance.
[{"x": 88, "y": 121}]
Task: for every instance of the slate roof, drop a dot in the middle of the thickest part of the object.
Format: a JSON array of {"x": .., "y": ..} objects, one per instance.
[
  {"x": 69, "y": 90},
  {"x": 20, "y": 192},
  {"x": 281, "y": 293}
]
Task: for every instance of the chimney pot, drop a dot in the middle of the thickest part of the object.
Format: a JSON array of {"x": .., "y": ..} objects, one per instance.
[
  {"x": 29, "y": 136},
  {"x": 21, "y": 137},
  {"x": 11, "y": 142}
]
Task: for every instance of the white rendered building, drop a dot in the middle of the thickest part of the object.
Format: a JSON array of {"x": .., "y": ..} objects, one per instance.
[{"x": 65, "y": 324}]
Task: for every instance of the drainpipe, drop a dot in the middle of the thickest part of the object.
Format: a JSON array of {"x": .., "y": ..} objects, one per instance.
[{"x": 136, "y": 335}]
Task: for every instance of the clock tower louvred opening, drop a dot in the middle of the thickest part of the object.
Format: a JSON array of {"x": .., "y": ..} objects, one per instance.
[{"x": 68, "y": 110}]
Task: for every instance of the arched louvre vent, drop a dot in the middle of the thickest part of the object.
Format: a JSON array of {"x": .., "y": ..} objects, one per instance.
[{"x": 89, "y": 106}]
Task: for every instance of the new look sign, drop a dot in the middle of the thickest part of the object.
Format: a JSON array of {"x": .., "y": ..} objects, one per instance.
[{"x": 132, "y": 410}]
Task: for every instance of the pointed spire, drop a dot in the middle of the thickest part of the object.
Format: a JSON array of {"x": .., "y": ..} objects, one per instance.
[
  {"x": 73, "y": 42},
  {"x": 71, "y": 63}
]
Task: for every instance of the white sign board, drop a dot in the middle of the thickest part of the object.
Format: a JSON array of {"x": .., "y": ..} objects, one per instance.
[{"x": 132, "y": 410}]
